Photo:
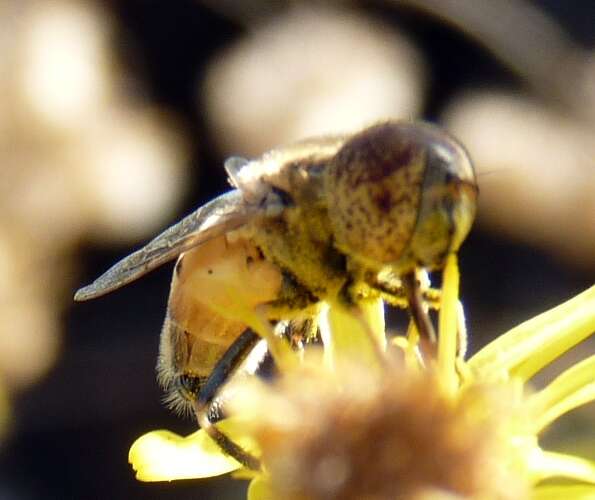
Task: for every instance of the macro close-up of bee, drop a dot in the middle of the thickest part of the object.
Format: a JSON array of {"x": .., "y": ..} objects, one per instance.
[
  {"x": 328, "y": 219},
  {"x": 297, "y": 250}
]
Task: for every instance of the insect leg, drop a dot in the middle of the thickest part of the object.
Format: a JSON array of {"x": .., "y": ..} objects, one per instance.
[
  {"x": 397, "y": 295},
  {"x": 416, "y": 308},
  {"x": 411, "y": 295},
  {"x": 223, "y": 370}
]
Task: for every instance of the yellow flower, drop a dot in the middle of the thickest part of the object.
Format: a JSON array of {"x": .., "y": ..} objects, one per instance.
[{"x": 365, "y": 420}]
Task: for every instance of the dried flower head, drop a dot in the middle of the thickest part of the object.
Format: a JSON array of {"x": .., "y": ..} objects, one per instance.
[
  {"x": 344, "y": 434},
  {"x": 368, "y": 422},
  {"x": 313, "y": 71}
]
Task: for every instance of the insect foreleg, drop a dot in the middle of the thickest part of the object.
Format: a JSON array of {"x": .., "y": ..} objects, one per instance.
[
  {"x": 418, "y": 313},
  {"x": 397, "y": 295},
  {"x": 409, "y": 293}
]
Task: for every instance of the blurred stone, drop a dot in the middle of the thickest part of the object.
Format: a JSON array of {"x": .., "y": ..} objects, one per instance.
[
  {"x": 586, "y": 87},
  {"x": 312, "y": 71},
  {"x": 80, "y": 158},
  {"x": 130, "y": 173},
  {"x": 29, "y": 340},
  {"x": 64, "y": 62},
  {"x": 536, "y": 170}
]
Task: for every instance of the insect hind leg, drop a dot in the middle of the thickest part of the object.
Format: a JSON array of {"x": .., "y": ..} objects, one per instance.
[
  {"x": 203, "y": 404},
  {"x": 208, "y": 406}
]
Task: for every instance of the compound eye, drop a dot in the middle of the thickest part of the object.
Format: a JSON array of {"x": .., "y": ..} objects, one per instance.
[
  {"x": 374, "y": 189},
  {"x": 188, "y": 386}
]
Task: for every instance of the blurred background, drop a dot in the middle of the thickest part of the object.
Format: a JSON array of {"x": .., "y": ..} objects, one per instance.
[{"x": 115, "y": 118}]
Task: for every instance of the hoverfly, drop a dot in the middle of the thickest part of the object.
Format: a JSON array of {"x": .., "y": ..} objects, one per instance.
[{"x": 314, "y": 221}]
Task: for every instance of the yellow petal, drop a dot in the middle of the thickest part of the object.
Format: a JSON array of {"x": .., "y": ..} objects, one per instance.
[
  {"x": 447, "y": 325},
  {"x": 548, "y": 464},
  {"x": 285, "y": 358},
  {"x": 372, "y": 316},
  {"x": 165, "y": 456},
  {"x": 355, "y": 334},
  {"x": 564, "y": 492},
  {"x": 529, "y": 347},
  {"x": 256, "y": 319},
  {"x": 573, "y": 388},
  {"x": 260, "y": 489},
  {"x": 412, "y": 358}
]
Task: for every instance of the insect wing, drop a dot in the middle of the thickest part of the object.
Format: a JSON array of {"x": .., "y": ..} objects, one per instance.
[{"x": 221, "y": 215}]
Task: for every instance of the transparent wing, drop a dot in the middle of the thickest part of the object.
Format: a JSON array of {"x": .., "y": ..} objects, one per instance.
[{"x": 221, "y": 215}]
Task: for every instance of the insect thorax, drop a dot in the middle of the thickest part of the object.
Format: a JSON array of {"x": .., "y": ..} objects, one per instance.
[{"x": 300, "y": 242}]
